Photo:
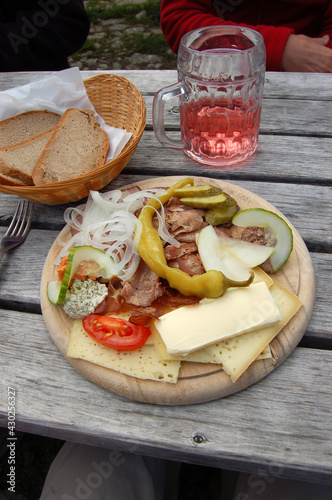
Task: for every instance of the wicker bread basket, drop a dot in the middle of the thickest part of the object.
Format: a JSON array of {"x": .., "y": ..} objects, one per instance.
[{"x": 121, "y": 105}]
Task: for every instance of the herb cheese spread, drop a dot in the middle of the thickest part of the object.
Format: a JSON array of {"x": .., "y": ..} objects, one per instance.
[{"x": 83, "y": 297}]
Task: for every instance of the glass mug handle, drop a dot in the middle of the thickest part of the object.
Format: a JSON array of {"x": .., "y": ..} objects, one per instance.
[{"x": 158, "y": 114}]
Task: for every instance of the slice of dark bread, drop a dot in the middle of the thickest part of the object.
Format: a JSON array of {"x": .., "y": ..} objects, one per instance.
[
  {"x": 77, "y": 146},
  {"x": 19, "y": 160},
  {"x": 10, "y": 181},
  {"x": 26, "y": 125}
]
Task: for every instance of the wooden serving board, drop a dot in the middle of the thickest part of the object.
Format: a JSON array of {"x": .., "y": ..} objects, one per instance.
[{"x": 197, "y": 382}]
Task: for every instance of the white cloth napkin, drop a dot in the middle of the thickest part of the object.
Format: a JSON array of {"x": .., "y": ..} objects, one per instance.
[{"x": 57, "y": 92}]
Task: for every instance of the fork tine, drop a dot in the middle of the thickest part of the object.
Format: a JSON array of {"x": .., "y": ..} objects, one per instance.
[
  {"x": 18, "y": 228},
  {"x": 21, "y": 220},
  {"x": 26, "y": 221},
  {"x": 15, "y": 219}
]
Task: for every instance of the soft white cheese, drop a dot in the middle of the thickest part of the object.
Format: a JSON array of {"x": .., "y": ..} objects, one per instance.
[
  {"x": 238, "y": 311},
  {"x": 83, "y": 297}
]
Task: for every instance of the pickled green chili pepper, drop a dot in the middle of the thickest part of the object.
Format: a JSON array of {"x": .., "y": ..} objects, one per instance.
[{"x": 211, "y": 284}]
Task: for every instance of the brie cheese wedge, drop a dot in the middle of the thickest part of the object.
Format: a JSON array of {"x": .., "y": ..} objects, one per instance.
[{"x": 238, "y": 311}]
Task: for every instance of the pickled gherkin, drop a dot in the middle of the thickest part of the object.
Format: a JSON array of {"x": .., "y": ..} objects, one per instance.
[
  {"x": 197, "y": 191},
  {"x": 216, "y": 216},
  {"x": 207, "y": 202}
]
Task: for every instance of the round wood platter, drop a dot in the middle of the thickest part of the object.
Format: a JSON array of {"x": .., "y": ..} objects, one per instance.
[{"x": 197, "y": 382}]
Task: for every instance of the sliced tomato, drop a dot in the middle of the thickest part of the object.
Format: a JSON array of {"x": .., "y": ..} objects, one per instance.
[{"x": 116, "y": 333}]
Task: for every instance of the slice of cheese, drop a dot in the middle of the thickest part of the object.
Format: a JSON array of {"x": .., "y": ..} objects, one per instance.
[
  {"x": 143, "y": 363},
  {"x": 260, "y": 275},
  {"x": 207, "y": 354},
  {"x": 265, "y": 354},
  {"x": 199, "y": 356},
  {"x": 238, "y": 353},
  {"x": 238, "y": 311}
]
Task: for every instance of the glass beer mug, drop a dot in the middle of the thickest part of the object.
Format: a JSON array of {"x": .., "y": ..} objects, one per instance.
[{"x": 220, "y": 89}]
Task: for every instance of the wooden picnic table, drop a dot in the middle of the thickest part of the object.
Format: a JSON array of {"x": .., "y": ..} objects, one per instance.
[{"x": 281, "y": 425}]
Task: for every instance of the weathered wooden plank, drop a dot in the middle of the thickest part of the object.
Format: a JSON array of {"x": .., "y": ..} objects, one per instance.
[
  {"x": 278, "y": 158},
  {"x": 295, "y": 117},
  {"x": 297, "y": 114},
  {"x": 277, "y": 84},
  {"x": 52, "y": 400},
  {"x": 21, "y": 269},
  {"x": 15, "y": 79},
  {"x": 147, "y": 81},
  {"x": 319, "y": 332},
  {"x": 281, "y": 85}
]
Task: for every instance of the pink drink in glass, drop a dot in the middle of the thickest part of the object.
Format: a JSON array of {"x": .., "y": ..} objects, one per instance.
[
  {"x": 220, "y": 89},
  {"x": 218, "y": 130},
  {"x": 221, "y": 129}
]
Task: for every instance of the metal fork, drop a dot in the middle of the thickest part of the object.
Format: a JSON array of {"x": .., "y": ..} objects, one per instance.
[{"x": 18, "y": 228}]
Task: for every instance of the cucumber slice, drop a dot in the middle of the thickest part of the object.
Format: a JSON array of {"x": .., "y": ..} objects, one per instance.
[
  {"x": 102, "y": 267},
  {"x": 53, "y": 290},
  {"x": 275, "y": 225}
]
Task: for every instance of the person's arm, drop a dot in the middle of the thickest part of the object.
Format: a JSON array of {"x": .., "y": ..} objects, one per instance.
[
  {"x": 303, "y": 53},
  {"x": 41, "y": 35},
  {"x": 326, "y": 25},
  {"x": 178, "y": 17}
]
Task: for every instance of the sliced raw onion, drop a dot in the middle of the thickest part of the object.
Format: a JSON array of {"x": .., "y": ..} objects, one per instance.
[{"x": 107, "y": 222}]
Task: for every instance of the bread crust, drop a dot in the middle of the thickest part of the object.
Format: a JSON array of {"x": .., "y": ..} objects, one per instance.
[
  {"x": 26, "y": 125},
  {"x": 6, "y": 180},
  {"x": 18, "y": 161},
  {"x": 77, "y": 146}
]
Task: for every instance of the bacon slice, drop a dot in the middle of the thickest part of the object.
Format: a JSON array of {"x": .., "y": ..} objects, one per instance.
[
  {"x": 173, "y": 298},
  {"x": 223, "y": 231},
  {"x": 143, "y": 287},
  {"x": 190, "y": 264},
  {"x": 181, "y": 219},
  {"x": 172, "y": 252},
  {"x": 184, "y": 257},
  {"x": 143, "y": 315},
  {"x": 109, "y": 305}
]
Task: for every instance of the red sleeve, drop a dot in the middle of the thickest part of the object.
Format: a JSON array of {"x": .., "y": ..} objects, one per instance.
[
  {"x": 178, "y": 17},
  {"x": 326, "y": 28}
]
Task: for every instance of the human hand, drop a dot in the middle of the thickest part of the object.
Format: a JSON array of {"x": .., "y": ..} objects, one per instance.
[{"x": 306, "y": 54}]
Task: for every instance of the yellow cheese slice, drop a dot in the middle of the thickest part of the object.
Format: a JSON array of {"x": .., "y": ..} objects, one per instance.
[
  {"x": 238, "y": 311},
  {"x": 143, "y": 363},
  {"x": 260, "y": 275},
  {"x": 206, "y": 355},
  {"x": 238, "y": 353},
  {"x": 155, "y": 363},
  {"x": 265, "y": 354}
]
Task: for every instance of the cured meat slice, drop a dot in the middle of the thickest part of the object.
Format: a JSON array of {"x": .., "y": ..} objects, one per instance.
[{"x": 143, "y": 287}]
